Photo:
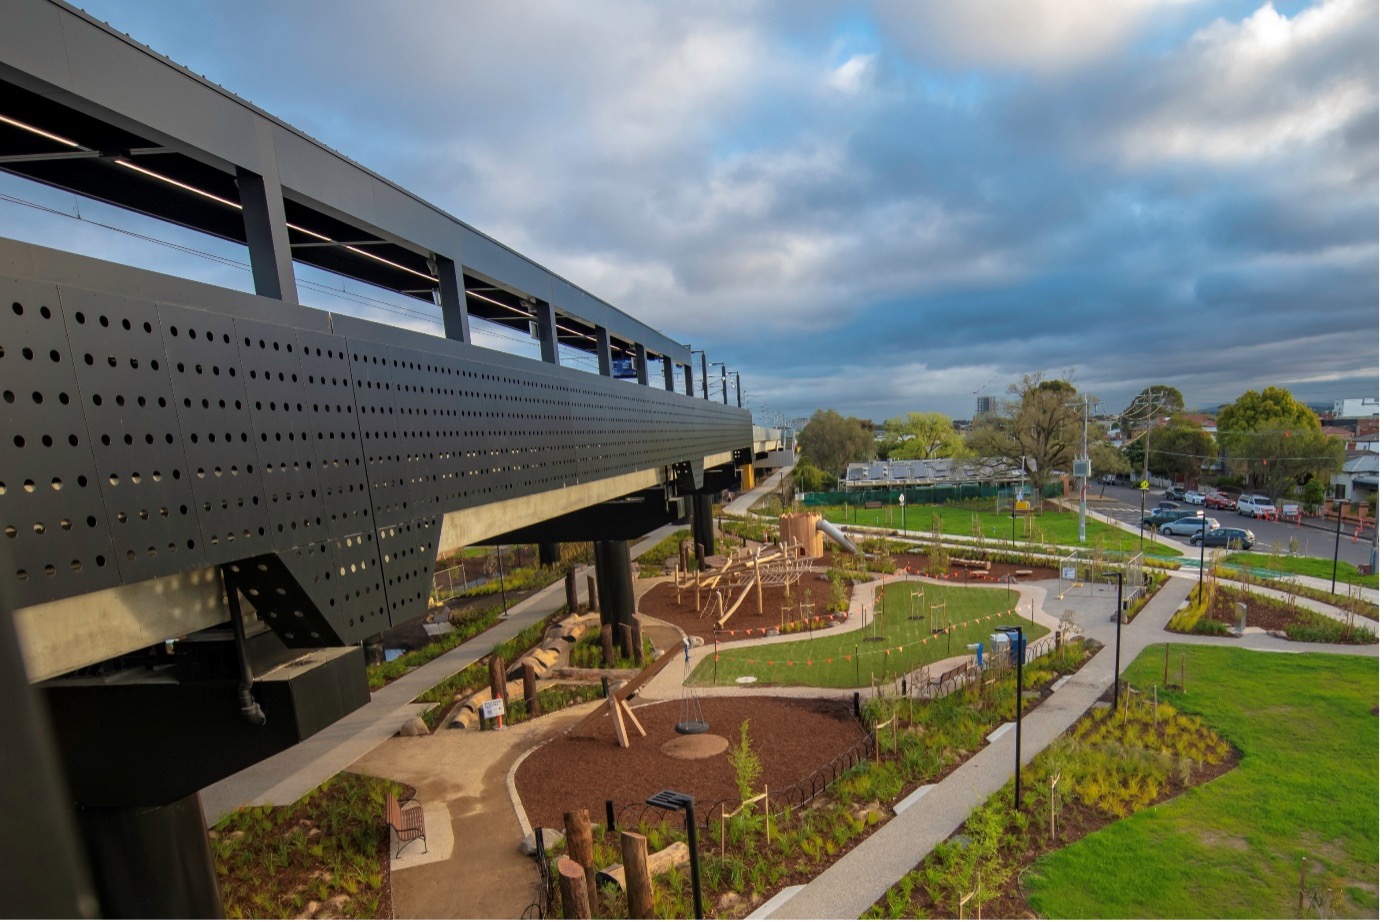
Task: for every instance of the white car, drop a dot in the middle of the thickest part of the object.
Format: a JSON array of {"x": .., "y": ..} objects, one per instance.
[
  {"x": 1195, "y": 497},
  {"x": 1192, "y": 525},
  {"x": 1260, "y": 507}
]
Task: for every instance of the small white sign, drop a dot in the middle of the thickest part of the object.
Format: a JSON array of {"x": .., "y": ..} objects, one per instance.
[
  {"x": 1069, "y": 573},
  {"x": 495, "y": 707}
]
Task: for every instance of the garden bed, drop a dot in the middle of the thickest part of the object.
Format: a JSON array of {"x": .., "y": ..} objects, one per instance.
[{"x": 325, "y": 856}]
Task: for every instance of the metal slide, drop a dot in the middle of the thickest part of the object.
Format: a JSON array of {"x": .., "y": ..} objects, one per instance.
[{"x": 835, "y": 534}]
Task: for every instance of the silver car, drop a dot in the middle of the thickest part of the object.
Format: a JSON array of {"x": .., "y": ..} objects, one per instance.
[{"x": 1192, "y": 525}]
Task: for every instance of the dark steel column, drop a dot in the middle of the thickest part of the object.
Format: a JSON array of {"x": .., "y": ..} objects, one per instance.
[
  {"x": 703, "y": 523},
  {"x": 44, "y": 874},
  {"x": 668, "y": 372},
  {"x": 603, "y": 350},
  {"x": 614, "y": 582},
  {"x": 266, "y": 234},
  {"x": 547, "y": 331},
  {"x": 549, "y": 553},
  {"x": 706, "y": 390},
  {"x": 641, "y": 364},
  {"x": 451, "y": 291},
  {"x": 152, "y": 862},
  {"x": 687, "y": 380}
]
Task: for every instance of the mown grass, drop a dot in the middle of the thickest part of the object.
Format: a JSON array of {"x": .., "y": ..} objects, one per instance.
[
  {"x": 1318, "y": 567},
  {"x": 1307, "y": 786},
  {"x": 849, "y": 660},
  {"x": 1052, "y": 527}
]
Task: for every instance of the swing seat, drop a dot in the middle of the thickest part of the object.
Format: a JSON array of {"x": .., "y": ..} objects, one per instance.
[{"x": 690, "y": 727}]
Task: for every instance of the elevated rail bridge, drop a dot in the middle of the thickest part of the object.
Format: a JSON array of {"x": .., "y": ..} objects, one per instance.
[{"x": 211, "y": 498}]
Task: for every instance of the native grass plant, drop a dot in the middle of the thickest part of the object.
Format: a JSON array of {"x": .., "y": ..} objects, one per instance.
[
  {"x": 1107, "y": 767},
  {"x": 329, "y": 851},
  {"x": 587, "y": 653},
  {"x": 476, "y": 622},
  {"x": 651, "y": 561},
  {"x": 462, "y": 684},
  {"x": 550, "y": 699},
  {"x": 928, "y": 738}
]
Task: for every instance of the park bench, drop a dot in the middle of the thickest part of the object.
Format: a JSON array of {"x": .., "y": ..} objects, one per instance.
[
  {"x": 406, "y": 821},
  {"x": 873, "y": 505},
  {"x": 952, "y": 673}
]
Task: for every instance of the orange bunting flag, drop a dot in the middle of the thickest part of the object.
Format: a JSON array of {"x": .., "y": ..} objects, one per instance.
[
  {"x": 828, "y": 659},
  {"x": 790, "y": 662}
]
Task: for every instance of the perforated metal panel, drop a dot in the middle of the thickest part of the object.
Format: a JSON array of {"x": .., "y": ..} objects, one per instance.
[
  {"x": 337, "y": 456},
  {"x": 54, "y": 524},
  {"x": 408, "y": 552},
  {"x": 282, "y": 421},
  {"x": 218, "y": 438},
  {"x": 122, "y": 371},
  {"x": 334, "y": 428}
]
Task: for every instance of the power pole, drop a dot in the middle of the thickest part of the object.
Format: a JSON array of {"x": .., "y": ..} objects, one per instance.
[{"x": 1085, "y": 468}]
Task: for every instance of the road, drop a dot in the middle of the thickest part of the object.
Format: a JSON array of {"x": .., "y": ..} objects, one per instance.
[{"x": 1316, "y": 541}]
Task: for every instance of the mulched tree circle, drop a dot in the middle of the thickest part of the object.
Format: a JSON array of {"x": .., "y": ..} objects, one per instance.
[{"x": 791, "y": 736}]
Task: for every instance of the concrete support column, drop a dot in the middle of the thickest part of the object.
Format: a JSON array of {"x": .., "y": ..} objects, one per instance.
[
  {"x": 549, "y": 553},
  {"x": 266, "y": 235},
  {"x": 603, "y": 351},
  {"x": 703, "y": 523},
  {"x": 451, "y": 292},
  {"x": 687, "y": 380},
  {"x": 614, "y": 582},
  {"x": 152, "y": 862},
  {"x": 641, "y": 364},
  {"x": 668, "y": 373},
  {"x": 547, "y": 332}
]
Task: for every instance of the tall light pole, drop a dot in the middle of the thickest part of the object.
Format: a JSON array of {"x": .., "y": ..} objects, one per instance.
[
  {"x": 1119, "y": 621},
  {"x": 1083, "y": 468}
]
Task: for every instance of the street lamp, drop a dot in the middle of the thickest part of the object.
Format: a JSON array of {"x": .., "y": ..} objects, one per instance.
[
  {"x": 725, "y": 394},
  {"x": 903, "y": 513},
  {"x": 1017, "y": 649},
  {"x": 1119, "y": 620},
  {"x": 676, "y": 800}
]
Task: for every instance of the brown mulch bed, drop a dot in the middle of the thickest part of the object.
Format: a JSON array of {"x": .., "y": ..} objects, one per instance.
[
  {"x": 792, "y": 737},
  {"x": 996, "y": 574},
  {"x": 661, "y": 602}
]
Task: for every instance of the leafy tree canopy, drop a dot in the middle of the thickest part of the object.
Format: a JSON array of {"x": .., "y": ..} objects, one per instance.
[
  {"x": 1276, "y": 441},
  {"x": 1154, "y": 400},
  {"x": 1041, "y": 422},
  {"x": 922, "y": 436},
  {"x": 830, "y": 441}
]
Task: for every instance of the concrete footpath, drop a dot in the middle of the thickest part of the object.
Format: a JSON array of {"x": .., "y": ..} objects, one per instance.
[{"x": 284, "y": 778}]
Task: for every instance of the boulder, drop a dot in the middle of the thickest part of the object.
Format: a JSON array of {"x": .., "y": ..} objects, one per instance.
[
  {"x": 728, "y": 903},
  {"x": 551, "y": 838},
  {"x": 414, "y": 726}
]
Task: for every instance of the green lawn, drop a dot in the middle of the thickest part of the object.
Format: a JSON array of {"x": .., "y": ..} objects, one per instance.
[
  {"x": 1302, "y": 566},
  {"x": 849, "y": 660},
  {"x": 1307, "y": 785},
  {"x": 1051, "y": 527}
]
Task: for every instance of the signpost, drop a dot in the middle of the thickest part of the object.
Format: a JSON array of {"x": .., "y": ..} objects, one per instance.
[
  {"x": 903, "y": 513},
  {"x": 494, "y": 709}
]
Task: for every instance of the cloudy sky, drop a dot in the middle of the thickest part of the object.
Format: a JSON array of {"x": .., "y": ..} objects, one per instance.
[{"x": 876, "y": 207}]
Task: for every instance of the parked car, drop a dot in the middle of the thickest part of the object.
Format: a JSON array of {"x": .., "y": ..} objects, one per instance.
[
  {"x": 1107, "y": 479},
  {"x": 1192, "y": 525},
  {"x": 1260, "y": 507},
  {"x": 1166, "y": 504},
  {"x": 1157, "y": 519},
  {"x": 1173, "y": 493},
  {"x": 1195, "y": 497},
  {"x": 1219, "y": 501},
  {"x": 1226, "y": 537}
]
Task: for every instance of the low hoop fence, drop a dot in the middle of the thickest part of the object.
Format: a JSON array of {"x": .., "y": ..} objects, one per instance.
[{"x": 545, "y": 890}]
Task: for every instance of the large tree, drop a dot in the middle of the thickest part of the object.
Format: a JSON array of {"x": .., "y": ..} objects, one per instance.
[
  {"x": 922, "y": 436},
  {"x": 831, "y": 441},
  {"x": 1041, "y": 422},
  {"x": 1179, "y": 449},
  {"x": 1107, "y": 459},
  {"x": 1153, "y": 401},
  {"x": 1276, "y": 441}
]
